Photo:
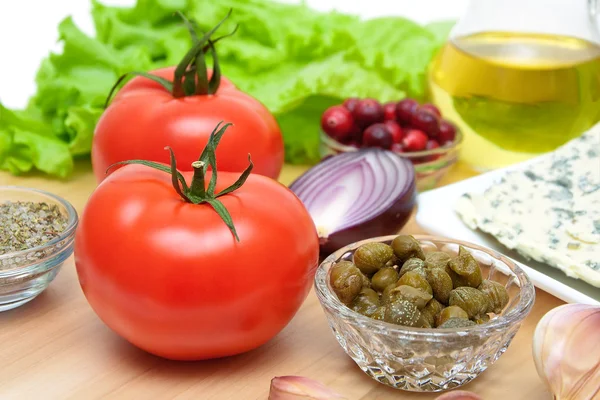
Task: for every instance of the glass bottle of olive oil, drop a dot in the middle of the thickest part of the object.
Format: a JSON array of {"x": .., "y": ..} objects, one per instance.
[{"x": 516, "y": 95}]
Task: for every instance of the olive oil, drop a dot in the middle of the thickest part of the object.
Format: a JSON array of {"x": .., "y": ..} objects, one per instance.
[{"x": 514, "y": 95}]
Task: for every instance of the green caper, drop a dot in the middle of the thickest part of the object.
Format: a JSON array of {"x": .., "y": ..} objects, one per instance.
[
  {"x": 405, "y": 247},
  {"x": 467, "y": 269},
  {"x": 473, "y": 301},
  {"x": 497, "y": 295},
  {"x": 384, "y": 277},
  {"x": 392, "y": 263},
  {"x": 414, "y": 279},
  {"x": 379, "y": 314},
  {"x": 413, "y": 264},
  {"x": 346, "y": 281},
  {"x": 482, "y": 319},
  {"x": 450, "y": 312},
  {"x": 366, "y": 302},
  {"x": 385, "y": 295},
  {"x": 456, "y": 323},
  {"x": 440, "y": 283},
  {"x": 371, "y": 257},
  {"x": 457, "y": 280},
  {"x": 389, "y": 294},
  {"x": 402, "y": 312},
  {"x": 432, "y": 309},
  {"x": 416, "y": 296},
  {"x": 423, "y": 322},
  {"x": 437, "y": 259},
  {"x": 366, "y": 282}
]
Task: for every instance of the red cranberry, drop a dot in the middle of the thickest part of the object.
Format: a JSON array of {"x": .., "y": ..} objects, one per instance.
[
  {"x": 337, "y": 122},
  {"x": 351, "y": 103},
  {"x": 356, "y": 134},
  {"x": 432, "y": 144},
  {"x": 405, "y": 110},
  {"x": 389, "y": 111},
  {"x": 426, "y": 121},
  {"x": 377, "y": 135},
  {"x": 368, "y": 112},
  {"x": 395, "y": 130},
  {"x": 414, "y": 140},
  {"x": 433, "y": 109},
  {"x": 397, "y": 148},
  {"x": 447, "y": 132}
]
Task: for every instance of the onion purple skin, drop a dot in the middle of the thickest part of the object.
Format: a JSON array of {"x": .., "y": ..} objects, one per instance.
[
  {"x": 387, "y": 223},
  {"x": 324, "y": 186}
]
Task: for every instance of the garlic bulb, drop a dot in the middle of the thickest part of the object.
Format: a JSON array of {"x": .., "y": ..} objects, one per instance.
[
  {"x": 300, "y": 388},
  {"x": 458, "y": 395},
  {"x": 566, "y": 350}
]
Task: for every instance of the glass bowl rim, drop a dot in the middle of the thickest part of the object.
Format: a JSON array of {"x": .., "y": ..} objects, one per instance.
[
  {"x": 456, "y": 144},
  {"x": 501, "y": 322},
  {"x": 72, "y": 221}
]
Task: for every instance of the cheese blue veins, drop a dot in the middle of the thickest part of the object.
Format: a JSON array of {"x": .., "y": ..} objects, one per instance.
[{"x": 548, "y": 211}]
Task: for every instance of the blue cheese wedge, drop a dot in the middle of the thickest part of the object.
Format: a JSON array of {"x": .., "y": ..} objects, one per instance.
[{"x": 548, "y": 211}]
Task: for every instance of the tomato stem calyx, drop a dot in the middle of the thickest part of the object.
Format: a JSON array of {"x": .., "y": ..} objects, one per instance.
[
  {"x": 198, "y": 192},
  {"x": 191, "y": 74},
  {"x": 198, "y": 185}
]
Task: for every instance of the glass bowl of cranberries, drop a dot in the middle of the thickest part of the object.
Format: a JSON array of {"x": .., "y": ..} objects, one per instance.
[{"x": 414, "y": 131}]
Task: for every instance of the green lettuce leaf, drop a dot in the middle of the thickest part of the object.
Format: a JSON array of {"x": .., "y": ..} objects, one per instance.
[
  {"x": 293, "y": 59},
  {"x": 26, "y": 142},
  {"x": 79, "y": 124}
]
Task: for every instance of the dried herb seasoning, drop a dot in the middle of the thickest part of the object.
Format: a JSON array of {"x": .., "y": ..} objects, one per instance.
[{"x": 25, "y": 224}]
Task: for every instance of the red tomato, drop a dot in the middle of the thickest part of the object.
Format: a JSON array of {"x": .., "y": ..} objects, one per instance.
[
  {"x": 144, "y": 117},
  {"x": 170, "y": 277}
]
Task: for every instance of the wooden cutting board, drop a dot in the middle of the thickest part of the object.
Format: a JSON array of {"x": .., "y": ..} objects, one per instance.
[{"x": 56, "y": 348}]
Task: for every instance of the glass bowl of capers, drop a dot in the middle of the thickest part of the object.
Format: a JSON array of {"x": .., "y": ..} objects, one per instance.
[
  {"x": 423, "y": 313},
  {"x": 37, "y": 233}
]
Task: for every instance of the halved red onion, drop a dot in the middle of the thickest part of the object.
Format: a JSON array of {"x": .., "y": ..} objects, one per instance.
[{"x": 357, "y": 195}]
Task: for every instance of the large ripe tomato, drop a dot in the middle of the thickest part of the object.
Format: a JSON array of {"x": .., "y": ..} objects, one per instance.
[
  {"x": 144, "y": 117},
  {"x": 170, "y": 277}
]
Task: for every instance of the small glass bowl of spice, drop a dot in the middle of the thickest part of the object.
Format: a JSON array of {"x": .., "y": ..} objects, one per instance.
[{"x": 37, "y": 232}]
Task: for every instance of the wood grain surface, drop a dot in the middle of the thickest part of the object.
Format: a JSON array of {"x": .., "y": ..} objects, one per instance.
[{"x": 56, "y": 348}]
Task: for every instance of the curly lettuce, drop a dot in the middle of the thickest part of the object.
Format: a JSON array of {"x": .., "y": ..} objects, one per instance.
[{"x": 293, "y": 59}]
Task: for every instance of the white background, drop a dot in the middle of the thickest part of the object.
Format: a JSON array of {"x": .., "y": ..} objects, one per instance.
[{"x": 28, "y": 30}]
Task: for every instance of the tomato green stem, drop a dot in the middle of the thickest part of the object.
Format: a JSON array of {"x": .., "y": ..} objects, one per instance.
[
  {"x": 168, "y": 85},
  {"x": 197, "y": 187},
  {"x": 197, "y": 192},
  {"x": 191, "y": 74},
  {"x": 183, "y": 189},
  {"x": 195, "y": 56}
]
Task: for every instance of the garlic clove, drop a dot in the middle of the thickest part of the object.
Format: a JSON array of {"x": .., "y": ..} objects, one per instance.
[
  {"x": 459, "y": 395},
  {"x": 300, "y": 388},
  {"x": 566, "y": 351}
]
